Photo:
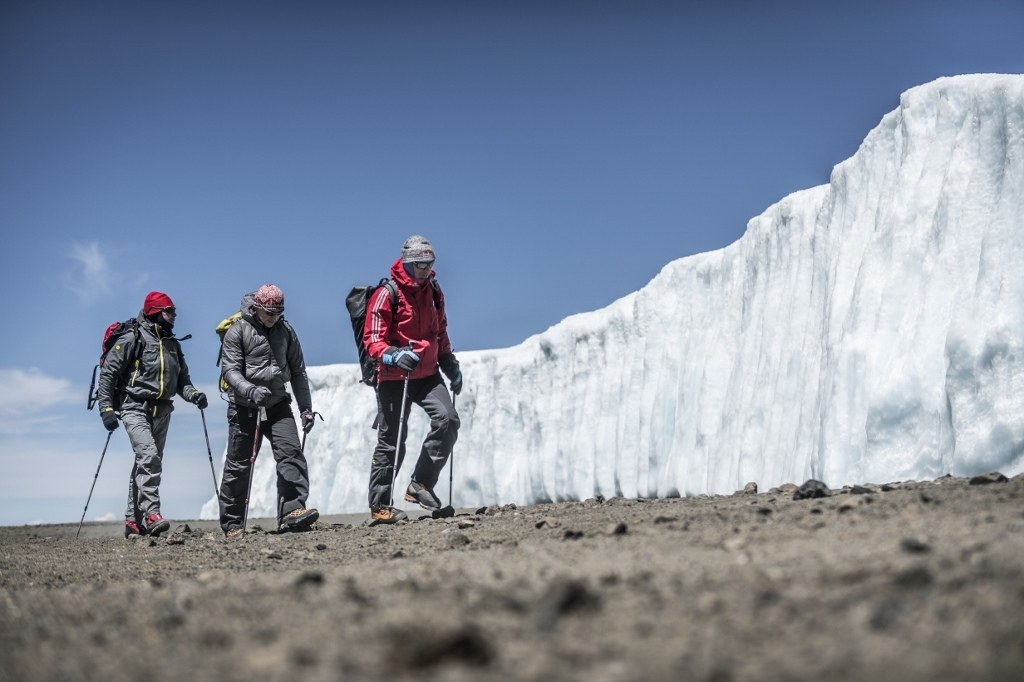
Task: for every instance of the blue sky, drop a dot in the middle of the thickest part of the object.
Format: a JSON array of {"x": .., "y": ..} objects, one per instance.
[{"x": 557, "y": 155}]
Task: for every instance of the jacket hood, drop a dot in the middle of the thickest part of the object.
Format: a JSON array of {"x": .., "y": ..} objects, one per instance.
[{"x": 399, "y": 274}]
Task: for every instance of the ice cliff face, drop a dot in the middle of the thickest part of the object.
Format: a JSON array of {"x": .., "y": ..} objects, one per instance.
[{"x": 867, "y": 330}]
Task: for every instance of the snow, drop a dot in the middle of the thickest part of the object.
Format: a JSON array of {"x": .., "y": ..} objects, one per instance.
[{"x": 867, "y": 330}]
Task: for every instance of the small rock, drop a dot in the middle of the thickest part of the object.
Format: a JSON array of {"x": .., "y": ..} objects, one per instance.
[
  {"x": 617, "y": 529},
  {"x": 321, "y": 547},
  {"x": 914, "y": 546},
  {"x": 416, "y": 650},
  {"x": 310, "y": 578},
  {"x": 812, "y": 489},
  {"x": 456, "y": 538},
  {"x": 985, "y": 479},
  {"x": 548, "y": 523},
  {"x": 572, "y": 535},
  {"x": 750, "y": 488},
  {"x": 914, "y": 578},
  {"x": 563, "y": 597},
  {"x": 481, "y": 511}
]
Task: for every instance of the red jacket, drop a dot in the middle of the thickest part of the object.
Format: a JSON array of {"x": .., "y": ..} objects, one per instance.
[{"x": 417, "y": 320}]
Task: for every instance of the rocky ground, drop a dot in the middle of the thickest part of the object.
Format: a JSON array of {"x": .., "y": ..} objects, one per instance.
[{"x": 909, "y": 581}]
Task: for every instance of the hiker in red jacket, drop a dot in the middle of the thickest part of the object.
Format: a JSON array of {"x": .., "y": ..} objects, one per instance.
[{"x": 410, "y": 341}]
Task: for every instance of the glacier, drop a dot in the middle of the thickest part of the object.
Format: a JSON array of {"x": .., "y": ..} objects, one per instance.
[{"x": 867, "y": 330}]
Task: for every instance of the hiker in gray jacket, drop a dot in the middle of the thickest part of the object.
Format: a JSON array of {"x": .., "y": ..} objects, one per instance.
[
  {"x": 141, "y": 375},
  {"x": 260, "y": 356}
]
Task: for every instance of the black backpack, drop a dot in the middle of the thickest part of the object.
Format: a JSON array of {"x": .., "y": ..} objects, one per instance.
[
  {"x": 111, "y": 336},
  {"x": 357, "y": 301}
]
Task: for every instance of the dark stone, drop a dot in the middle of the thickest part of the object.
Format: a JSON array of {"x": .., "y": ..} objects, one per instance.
[
  {"x": 310, "y": 578},
  {"x": 916, "y": 577},
  {"x": 563, "y": 597},
  {"x": 417, "y": 649},
  {"x": 985, "y": 479},
  {"x": 811, "y": 490},
  {"x": 914, "y": 546}
]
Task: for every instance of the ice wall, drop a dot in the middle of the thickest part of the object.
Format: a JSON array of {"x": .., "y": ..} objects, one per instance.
[{"x": 867, "y": 330}]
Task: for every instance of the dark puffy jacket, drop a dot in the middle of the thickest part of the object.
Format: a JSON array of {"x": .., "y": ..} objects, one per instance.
[
  {"x": 256, "y": 356},
  {"x": 416, "y": 320},
  {"x": 148, "y": 366}
]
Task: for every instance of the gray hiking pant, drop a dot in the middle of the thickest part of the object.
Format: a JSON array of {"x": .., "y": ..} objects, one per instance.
[
  {"x": 430, "y": 394},
  {"x": 146, "y": 424},
  {"x": 292, "y": 474}
]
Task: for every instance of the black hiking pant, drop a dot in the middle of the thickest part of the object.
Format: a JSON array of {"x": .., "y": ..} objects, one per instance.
[
  {"x": 292, "y": 473},
  {"x": 431, "y": 394}
]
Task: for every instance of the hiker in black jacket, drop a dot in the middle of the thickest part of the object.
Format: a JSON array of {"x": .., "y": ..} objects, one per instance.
[
  {"x": 260, "y": 356},
  {"x": 141, "y": 374}
]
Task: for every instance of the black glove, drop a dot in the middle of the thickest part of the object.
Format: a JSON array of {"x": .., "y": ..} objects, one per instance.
[
  {"x": 109, "y": 418},
  {"x": 199, "y": 399},
  {"x": 308, "y": 417},
  {"x": 450, "y": 366},
  {"x": 259, "y": 395},
  {"x": 403, "y": 358}
]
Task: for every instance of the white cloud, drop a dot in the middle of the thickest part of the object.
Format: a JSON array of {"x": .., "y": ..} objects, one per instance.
[
  {"x": 92, "y": 273},
  {"x": 27, "y": 393}
]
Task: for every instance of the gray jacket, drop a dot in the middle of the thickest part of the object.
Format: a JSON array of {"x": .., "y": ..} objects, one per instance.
[
  {"x": 256, "y": 356},
  {"x": 147, "y": 365}
]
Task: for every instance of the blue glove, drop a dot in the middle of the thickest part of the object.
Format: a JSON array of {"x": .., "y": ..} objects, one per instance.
[
  {"x": 457, "y": 382},
  {"x": 403, "y": 358}
]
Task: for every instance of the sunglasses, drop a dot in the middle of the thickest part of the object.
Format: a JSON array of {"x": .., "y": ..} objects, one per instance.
[
  {"x": 170, "y": 310},
  {"x": 272, "y": 312},
  {"x": 424, "y": 266}
]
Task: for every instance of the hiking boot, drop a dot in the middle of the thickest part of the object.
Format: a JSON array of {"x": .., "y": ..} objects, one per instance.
[
  {"x": 298, "y": 519},
  {"x": 131, "y": 528},
  {"x": 234, "y": 534},
  {"x": 154, "y": 524},
  {"x": 387, "y": 515},
  {"x": 423, "y": 496}
]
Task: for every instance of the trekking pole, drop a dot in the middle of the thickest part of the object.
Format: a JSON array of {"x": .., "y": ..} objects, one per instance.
[
  {"x": 252, "y": 465},
  {"x": 398, "y": 442},
  {"x": 93, "y": 487},
  {"x": 216, "y": 491},
  {"x": 452, "y": 466}
]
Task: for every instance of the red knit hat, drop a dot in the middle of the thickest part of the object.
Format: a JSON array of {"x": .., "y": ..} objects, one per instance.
[
  {"x": 270, "y": 298},
  {"x": 155, "y": 302}
]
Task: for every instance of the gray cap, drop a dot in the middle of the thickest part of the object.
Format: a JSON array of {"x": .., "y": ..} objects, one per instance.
[{"x": 417, "y": 249}]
